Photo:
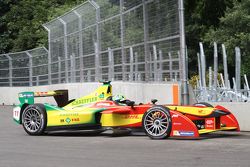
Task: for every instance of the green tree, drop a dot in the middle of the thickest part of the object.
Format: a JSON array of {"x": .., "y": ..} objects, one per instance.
[
  {"x": 234, "y": 30},
  {"x": 200, "y": 16},
  {"x": 21, "y": 22}
]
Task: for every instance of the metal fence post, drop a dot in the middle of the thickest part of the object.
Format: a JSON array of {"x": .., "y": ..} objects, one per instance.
[
  {"x": 65, "y": 49},
  {"x": 150, "y": 67},
  {"x": 155, "y": 62},
  {"x": 215, "y": 70},
  {"x": 136, "y": 66},
  {"x": 203, "y": 72},
  {"x": 246, "y": 82},
  {"x": 59, "y": 70},
  {"x": 72, "y": 70},
  {"x": 80, "y": 44},
  {"x": 97, "y": 64},
  {"x": 210, "y": 82},
  {"x": 30, "y": 68},
  {"x": 235, "y": 89},
  {"x": 210, "y": 78},
  {"x": 131, "y": 76},
  {"x": 225, "y": 65},
  {"x": 199, "y": 69},
  {"x": 222, "y": 81},
  {"x": 237, "y": 67},
  {"x": 111, "y": 64},
  {"x": 37, "y": 80},
  {"x": 160, "y": 65},
  {"x": 184, "y": 76},
  {"x": 247, "y": 85},
  {"x": 203, "y": 65},
  {"x": 49, "y": 55},
  {"x": 89, "y": 76},
  {"x": 10, "y": 70},
  {"x": 49, "y": 65},
  {"x": 186, "y": 59},
  {"x": 170, "y": 65},
  {"x": 146, "y": 46},
  {"x": 122, "y": 40}
]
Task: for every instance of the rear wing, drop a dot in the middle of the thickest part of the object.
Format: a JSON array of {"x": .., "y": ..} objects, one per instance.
[{"x": 60, "y": 96}]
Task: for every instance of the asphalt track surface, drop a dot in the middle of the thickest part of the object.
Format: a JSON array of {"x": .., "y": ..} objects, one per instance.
[{"x": 17, "y": 149}]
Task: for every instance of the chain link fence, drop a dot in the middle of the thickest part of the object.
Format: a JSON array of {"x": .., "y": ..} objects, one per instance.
[
  {"x": 27, "y": 68},
  {"x": 116, "y": 40},
  {"x": 120, "y": 40}
]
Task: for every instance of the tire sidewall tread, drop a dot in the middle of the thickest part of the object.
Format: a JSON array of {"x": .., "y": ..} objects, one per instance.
[
  {"x": 167, "y": 112},
  {"x": 41, "y": 109}
]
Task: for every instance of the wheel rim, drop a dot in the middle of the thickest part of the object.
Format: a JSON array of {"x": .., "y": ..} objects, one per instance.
[
  {"x": 32, "y": 120},
  {"x": 156, "y": 123}
]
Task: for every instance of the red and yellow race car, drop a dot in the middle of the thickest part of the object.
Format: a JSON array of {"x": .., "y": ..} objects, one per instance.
[{"x": 100, "y": 110}]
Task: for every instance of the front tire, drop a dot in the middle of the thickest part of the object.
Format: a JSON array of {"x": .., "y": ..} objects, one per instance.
[
  {"x": 34, "y": 119},
  {"x": 157, "y": 122}
]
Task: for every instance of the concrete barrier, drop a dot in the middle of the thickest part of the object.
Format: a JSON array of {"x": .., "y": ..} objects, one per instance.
[
  {"x": 241, "y": 111},
  {"x": 166, "y": 93}
]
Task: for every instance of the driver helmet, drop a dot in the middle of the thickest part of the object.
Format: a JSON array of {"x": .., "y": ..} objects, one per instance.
[{"x": 118, "y": 98}]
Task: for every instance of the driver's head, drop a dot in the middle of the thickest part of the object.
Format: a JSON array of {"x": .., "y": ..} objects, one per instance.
[{"x": 118, "y": 98}]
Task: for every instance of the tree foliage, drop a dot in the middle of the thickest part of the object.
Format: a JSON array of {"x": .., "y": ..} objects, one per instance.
[
  {"x": 234, "y": 30},
  {"x": 21, "y": 22},
  {"x": 224, "y": 21},
  {"x": 200, "y": 16}
]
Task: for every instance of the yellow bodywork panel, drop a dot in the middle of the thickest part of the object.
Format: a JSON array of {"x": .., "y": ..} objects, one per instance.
[
  {"x": 192, "y": 110},
  {"x": 120, "y": 119},
  {"x": 100, "y": 94},
  {"x": 204, "y": 131},
  {"x": 70, "y": 117}
]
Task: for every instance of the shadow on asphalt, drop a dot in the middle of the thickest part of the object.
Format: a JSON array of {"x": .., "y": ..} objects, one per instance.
[
  {"x": 110, "y": 133},
  {"x": 212, "y": 136}
]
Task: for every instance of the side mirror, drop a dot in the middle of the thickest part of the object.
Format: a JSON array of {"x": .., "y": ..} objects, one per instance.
[
  {"x": 130, "y": 103},
  {"x": 154, "y": 101}
]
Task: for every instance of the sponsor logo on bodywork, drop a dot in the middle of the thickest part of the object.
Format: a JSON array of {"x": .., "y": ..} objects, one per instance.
[
  {"x": 208, "y": 122},
  {"x": 177, "y": 123},
  {"x": 68, "y": 120},
  {"x": 69, "y": 114},
  {"x": 83, "y": 101},
  {"x": 175, "y": 116},
  {"x": 101, "y": 96},
  {"x": 183, "y": 133},
  {"x": 201, "y": 111},
  {"x": 25, "y": 95},
  {"x": 75, "y": 119},
  {"x": 134, "y": 116}
]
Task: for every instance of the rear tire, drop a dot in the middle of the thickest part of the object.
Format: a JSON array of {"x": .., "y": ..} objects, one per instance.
[
  {"x": 157, "y": 122},
  {"x": 34, "y": 119}
]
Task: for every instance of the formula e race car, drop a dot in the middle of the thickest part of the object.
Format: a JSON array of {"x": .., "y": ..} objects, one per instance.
[{"x": 99, "y": 111}]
